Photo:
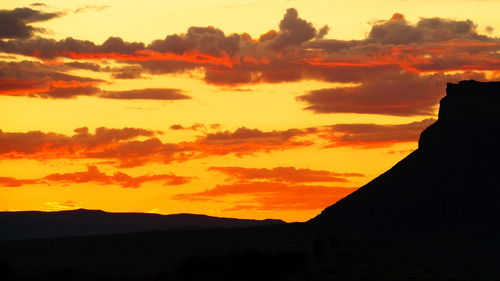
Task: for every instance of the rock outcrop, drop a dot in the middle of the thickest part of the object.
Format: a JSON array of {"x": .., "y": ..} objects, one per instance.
[{"x": 448, "y": 187}]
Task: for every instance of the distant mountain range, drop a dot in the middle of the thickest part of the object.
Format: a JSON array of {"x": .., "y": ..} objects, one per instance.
[{"x": 31, "y": 224}]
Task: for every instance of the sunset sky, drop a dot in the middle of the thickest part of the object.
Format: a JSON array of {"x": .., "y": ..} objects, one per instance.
[{"x": 230, "y": 108}]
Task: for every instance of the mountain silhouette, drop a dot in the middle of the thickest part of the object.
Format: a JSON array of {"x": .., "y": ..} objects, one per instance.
[
  {"x": 81, "y": 222},
  {"x": 450, "y": 184}
]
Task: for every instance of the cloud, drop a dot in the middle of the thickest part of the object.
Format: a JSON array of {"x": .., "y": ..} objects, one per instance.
[
  {"x": 130, "y": 147},
  {"x": 244, "y": 141},
  {"x": 113, "y": 47},
  {"x": 83, "y": 65},
  {"x": 123, "y": 147},
  {"x": 284, "y": 174},
  {"x": 146, "y": 94},
  {"x": 66, "y": 205},
  {"x": 391, "y": 93},
  {"x": 91, "y": 8},
  {"x": 128, "y": 73},
  {"x": 93, "y": 175},
  {"x": 194, "y": 127},
  {"x": 37, "y": 80},
  {"x": 398, "y": 31},
  {"x": 240, "y": 142},
  {"x": 374, "y": 135},
  {"x": 207, "y": 40},
  {"x": 293, "y": 31},
  {"x": 66, "y": 93},
  {"x": 13, "y": 182},
  {"x": 244, "y": 135},
  {"x": 140, "y": 152},
  {"x": 296, "y": 51},
  {"x": 15, "y": 23},
  {"x": 38, "y": 4},
  {"x": 322, "y": 32},
  {"x": 37, "y": 143},
  {"x": 271, "y": 196},
  {"x": 33, "y": 79}
]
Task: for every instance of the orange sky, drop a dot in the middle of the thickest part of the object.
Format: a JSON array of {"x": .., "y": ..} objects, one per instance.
[{"x": 243, "y": 109}]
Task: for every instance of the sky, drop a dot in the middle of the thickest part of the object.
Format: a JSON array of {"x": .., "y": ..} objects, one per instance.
[{"x": 244, "y": 109}]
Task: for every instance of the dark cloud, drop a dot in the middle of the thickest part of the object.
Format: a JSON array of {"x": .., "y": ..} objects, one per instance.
[
  {"x": 322, "y": 32},
  {"x": 244, "y": 141},
  {"x": 117, "y": 45},
  {"x": 72, "y": 48},
  {"x": 37, "y": 80},
  {"x": 67, "y": 93},
  {"x": 158, "y": 67},
  {"x": 293, "y": 31},
  {"x": 146, "y": 94},
  {"x": 284, "y": 174},
  {"x": 83, "y": 65},
  {"x": 15, "y": 23},
  {"x": 398, "y": 31},
  {"x": 207, "y": 40},
  {"x": 231, "y": 76},
  {"x": 391, "y": 93},
  {"x": 91, "y": 8},
  {"x": 194, "y": 127},
  {"x": 28, "y": 70},
  {"x": 374, "y": 135},
  {"x": 128, "y": 73},
  {"x": 400, "y": 68},
  {"x": 244, "y": 135}
]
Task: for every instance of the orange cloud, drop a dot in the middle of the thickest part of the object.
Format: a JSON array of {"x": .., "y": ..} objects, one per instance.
[
  {"x": 123, "y": 148},
  {"x": 36, "y": 144},
  {"x": 272, "y": 196},
  {"x": 246, "y": 141},
  {"x": 284, "y": 174},
  {"x": 13, "y": 182},
  {"x": 93, "y": 175},
  {"x": 121, "y": 145},
  {"x": 192, "y": 56}
]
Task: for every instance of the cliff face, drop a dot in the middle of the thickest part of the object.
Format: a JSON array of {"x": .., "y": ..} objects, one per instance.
[
  {"x": 469, "y": 116},
  {"x": 449, "y": 186}
]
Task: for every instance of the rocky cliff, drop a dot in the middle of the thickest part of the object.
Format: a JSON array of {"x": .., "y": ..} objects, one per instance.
[{"x": 448, "y": 187}]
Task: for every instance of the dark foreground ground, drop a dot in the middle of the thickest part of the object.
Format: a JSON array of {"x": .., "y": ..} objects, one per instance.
[{"x": 281, "y": 252}]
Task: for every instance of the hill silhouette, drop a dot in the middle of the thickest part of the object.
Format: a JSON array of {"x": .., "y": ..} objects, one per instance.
[
  {"x": 433, "y": 216},
  {"x": 81, "y": 222}
]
